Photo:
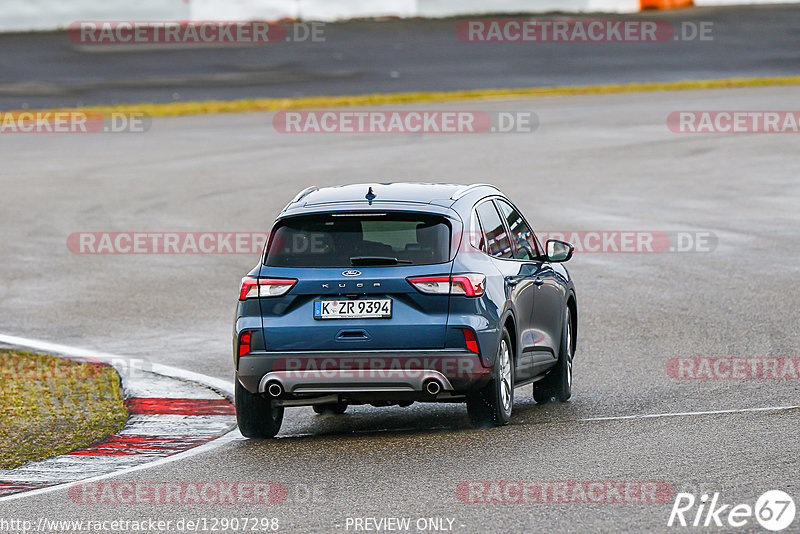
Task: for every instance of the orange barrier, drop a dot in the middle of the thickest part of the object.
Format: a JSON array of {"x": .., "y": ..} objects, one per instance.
[{"x": 665, "y": 4}]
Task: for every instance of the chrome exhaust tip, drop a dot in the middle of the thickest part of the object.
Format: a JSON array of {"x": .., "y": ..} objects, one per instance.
[
  {"x": 275, "y": 389},
  {"x": 433, "y": 387}
]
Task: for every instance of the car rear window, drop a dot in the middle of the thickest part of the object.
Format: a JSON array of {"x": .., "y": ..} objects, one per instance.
[{"x": 333, "y": 240}]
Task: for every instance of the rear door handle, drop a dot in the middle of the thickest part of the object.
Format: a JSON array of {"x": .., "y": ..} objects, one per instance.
[
  {"x": 538, "y": 282},
  {"x": 512, "y": 280}
]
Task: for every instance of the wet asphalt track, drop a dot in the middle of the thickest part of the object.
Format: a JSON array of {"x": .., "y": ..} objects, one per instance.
[
  {"x": 49, "y": 70},
  {"x": 596, "y": 162}
]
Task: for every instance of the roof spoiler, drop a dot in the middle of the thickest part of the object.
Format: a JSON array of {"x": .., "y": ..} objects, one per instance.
[
  {"x": 300, "y": 196},
  {"x": 464, "y": 190}
]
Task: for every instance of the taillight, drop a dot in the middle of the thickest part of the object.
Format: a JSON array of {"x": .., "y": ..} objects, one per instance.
[
  {"x": 264, "y": 287},
  {"x": 433, "y": 285},
  {"x": 470, "y": 284},
  {"x": 244, "y": 342},
  {"x": 469, "y": 338}
]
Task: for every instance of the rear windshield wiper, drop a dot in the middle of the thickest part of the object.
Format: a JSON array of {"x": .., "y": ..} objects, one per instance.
[{"x": 376, "y": 260}]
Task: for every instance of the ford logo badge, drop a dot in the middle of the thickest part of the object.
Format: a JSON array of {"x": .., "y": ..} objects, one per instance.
[{"x": 352, "y": 273}]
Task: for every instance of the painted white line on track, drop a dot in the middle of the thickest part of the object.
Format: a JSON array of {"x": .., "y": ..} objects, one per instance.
[
  {"x": 227, "y": 389},
  {"x": 233, "y": 435},
  {"x": 223, "y": 386},
  {"x": 686, "y": 414},
  {"x": 582, "y": 420}
]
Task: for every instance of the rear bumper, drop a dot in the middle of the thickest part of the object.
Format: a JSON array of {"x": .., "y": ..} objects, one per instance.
[{"x": 391, "y": 371}]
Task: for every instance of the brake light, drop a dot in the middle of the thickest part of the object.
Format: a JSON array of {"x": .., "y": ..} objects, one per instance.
[
  {"x": 264, "y": 287},
  {"x": 470, "y": 284},
  {"x": 244, "y": 343},
  {"x": 469, "y": 338}
]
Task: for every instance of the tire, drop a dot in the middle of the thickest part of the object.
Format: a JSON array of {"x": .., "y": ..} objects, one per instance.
[
  {"x": 557, "y": 384},
  {"x": 330, "y": 409},
  {"x": 492, "y": 405},
  {"x": 256, "y": 414}
]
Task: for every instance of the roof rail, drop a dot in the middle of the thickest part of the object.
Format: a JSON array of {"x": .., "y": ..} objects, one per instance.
[
  {"x": 464, "y": 190},
  {"x": 300, "y": 196}
]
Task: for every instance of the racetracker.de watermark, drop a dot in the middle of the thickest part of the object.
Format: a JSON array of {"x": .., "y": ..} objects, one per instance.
[
  {"x": 582, "y": 31},
  {"x": 345, "y": 369},
  {"x": 635, "y": 241},
  {"x": 178, "y": 493},
  {"x": 208, "y": 32},
  {"x": 564, "y": 492},
  {"x": 584, "y": 241},
  {"x": 734, "y": 122},
  {"x": 67, "y": 368},
  {"x": 73, "y": 122},
  {"x": 733, "y": 368},
  {"x": 166, "y": 242},
  {"x": 404, "y": 122}
]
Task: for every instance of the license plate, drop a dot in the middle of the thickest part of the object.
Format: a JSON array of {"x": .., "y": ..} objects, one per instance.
[{"x": 353, "y": 309}]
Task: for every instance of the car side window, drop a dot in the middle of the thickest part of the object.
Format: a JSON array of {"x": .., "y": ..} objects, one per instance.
[
  {"x": 476, "y": 235},
  {"x": 521, "y": 233},
  {"x": 495, "y": 232}
]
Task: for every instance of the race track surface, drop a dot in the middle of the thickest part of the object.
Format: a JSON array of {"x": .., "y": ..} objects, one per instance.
[
  {"x": 49, "y": 70},
  {"x": 595, "y": 163}
]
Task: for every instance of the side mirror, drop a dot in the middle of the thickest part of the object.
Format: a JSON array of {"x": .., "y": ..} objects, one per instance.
[{"x": 558, "y": 251}]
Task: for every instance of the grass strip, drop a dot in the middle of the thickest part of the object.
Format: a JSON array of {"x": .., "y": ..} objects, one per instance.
[{"x": 50, "y": 406}]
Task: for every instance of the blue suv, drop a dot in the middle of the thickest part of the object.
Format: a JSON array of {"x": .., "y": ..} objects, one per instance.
[{"x": 387, "y": 294}]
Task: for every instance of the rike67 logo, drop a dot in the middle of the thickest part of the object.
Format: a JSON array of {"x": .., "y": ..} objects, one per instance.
[{"x": 774, "y": 510}]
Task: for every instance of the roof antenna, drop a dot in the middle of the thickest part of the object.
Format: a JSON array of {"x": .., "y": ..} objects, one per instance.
[{"x": 370, "y": 196}]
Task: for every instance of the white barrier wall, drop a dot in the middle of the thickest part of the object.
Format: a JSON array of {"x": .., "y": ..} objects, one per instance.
[
  {"x": 446, "y": 8},
  {"x": 343, "y": 9},
  {"x": 303, "y": 9},
  {"x": 24, "y": 15}
]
